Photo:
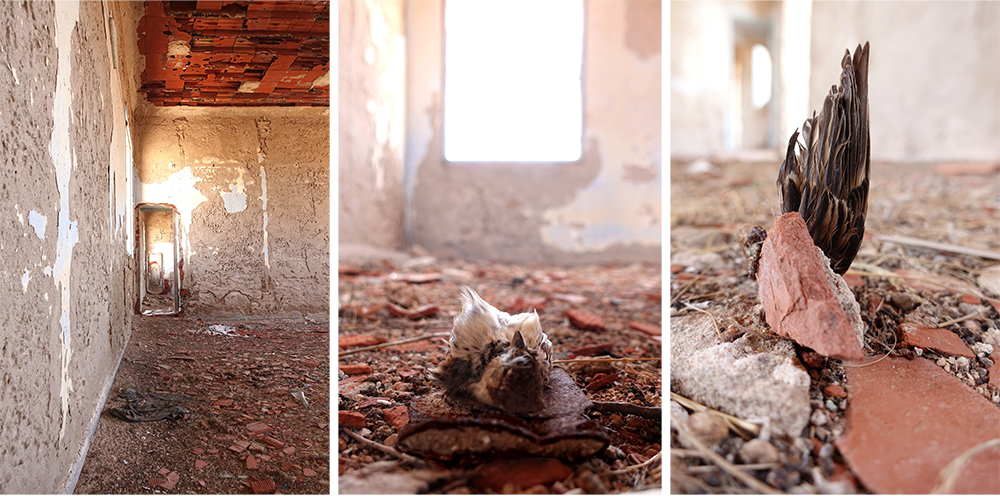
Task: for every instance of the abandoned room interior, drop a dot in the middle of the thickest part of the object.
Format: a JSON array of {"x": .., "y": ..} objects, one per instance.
[
  {"x": 916, "y": 409},
  {"x": 521, "y": 156},
  {"x": 166, "y": 189}
]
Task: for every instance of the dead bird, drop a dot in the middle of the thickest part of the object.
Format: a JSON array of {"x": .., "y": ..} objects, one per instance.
[
  {"x": 825, "y": 178},
  {"x": 497, "y": 359}
]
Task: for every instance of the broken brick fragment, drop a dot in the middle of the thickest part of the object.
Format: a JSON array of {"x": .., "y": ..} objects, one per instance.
[
  {"x": 584, "y": 320},
  {"x": 835, "y": 391},
  {"x": 397, "y": 416},
  {"x": 601, "y": 380},
  {"x": 356, "y": 369},
  {"x": 652, "y": 330},
  {"x": 272, "y": 442},
  {"x": 356, "y": 340},
  {"x": 351, "y": 419},
  {"x": 251, "y": 462},
  {"x": 259, "y": 427},
  {"x": 799, "y": 301},
  {"x": 934, "y": 338}
]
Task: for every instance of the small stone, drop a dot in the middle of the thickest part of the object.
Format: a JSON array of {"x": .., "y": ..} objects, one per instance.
[
  {"x": 818, "y": 417},
  {"x": 708, "y": 428},
  {"x": 830, "y": 405},
  {"x": 758, "y": 451},
  {"x": 835, "y": 391}
]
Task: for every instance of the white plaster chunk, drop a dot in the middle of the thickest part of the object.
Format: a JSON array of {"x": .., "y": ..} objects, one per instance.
[
  {"x": 751, "y": 378},
  {"x": 248, "y": 87},
  {"x": 24, "y": 280},
  {"x": 37, "y": 221},
  {"x": 178, "y": 47}
]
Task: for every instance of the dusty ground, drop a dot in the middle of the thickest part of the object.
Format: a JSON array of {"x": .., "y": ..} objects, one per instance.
[
  {"x": 623, "y": 297},
  {"x": 919, "y": 201},
  {"x": 235, "y": 384}
]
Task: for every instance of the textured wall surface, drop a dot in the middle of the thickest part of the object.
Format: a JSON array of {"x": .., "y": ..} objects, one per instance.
[
  {"x": 934, "y": 74},
  {"x": 606, "y": 207},
  {"x": 252, "y": 190},
  {"x": 65, "y": 266},
  {"x": 371, "y": 86}
]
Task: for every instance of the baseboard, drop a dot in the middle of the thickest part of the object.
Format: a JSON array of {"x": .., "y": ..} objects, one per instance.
[{"x": 69, "y": 487}]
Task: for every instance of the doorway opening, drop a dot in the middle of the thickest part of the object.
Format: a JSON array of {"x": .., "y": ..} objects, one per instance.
[{"x": 160, "y": 273}]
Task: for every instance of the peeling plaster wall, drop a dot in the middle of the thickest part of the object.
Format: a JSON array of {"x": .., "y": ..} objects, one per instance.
[
  {"x": 371, "y": 87},
  {"x": 934, "y": 76},
  {"x": 604, "y": 208},
  {"x": 64, "y": 261},
  {"x": 252, "y": 190}
]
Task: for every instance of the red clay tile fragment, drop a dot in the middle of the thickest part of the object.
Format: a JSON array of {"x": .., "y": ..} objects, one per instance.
[
  {"x": 522, "y": 474},
  {"x": 351, "y": 419},
  {"x": 417, "y": 346},
  {"x": 593, "y": 350},
  {"x": 172, "y": 479},
  {"x": 222, "y": 403},
  {"x": 240, "y": 446},
  {"x": 908, "y": 419},
  {"x": 835, "y": 391},
  {"x": 163, "y": 471},
  {"x": 971, "y": 299},
  {"x": 259, "y": 427},
  {"x": 251, "y": 462},
  {"x": 994, "y": 371},
  {"x": 272, "y": 442},
  {"x": 397, "y": 416},
  {"x": 356, "y": 369},
  {"x": 156, "y": 482},
  {"x": 415, "y": 314},
  {"x": 584, "y": 320},
  {"x": 652, "y": 330},
  {"x": 798, "y": 301},
  {"x": 286, "y": 466},
  {"x": 601, "y": 380},
  {"x": 309, "y": 364},
  {"x": 308, "y": 472},
  {"x": 934, "y": 338},
  {"x": 265, "y": 486},
  {"x": 355, "y": 340},
  {"x": 200, "y": 464}
]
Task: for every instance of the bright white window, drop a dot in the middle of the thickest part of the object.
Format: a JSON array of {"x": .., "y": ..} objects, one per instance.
[
  {"x": 760, "y": 76},
  {"x": 512, "y": 87}
]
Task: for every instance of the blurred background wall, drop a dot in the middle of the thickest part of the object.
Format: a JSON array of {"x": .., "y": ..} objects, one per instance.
[{"x": 934, "y": 75}]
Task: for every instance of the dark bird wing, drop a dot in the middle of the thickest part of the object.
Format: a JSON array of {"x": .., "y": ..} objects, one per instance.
[{"x": 825, "y": 178}]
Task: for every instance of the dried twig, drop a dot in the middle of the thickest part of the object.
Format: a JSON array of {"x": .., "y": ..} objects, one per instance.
[
  {"x": 633, "y": 468},
  {"x": 714, "y": 322},
  {"x": 383, "y": 448},
  {"x": 933, "y": 245},
  {"x": 737, "y": 423},
  {"x": 651, "y": 412},
  {"x": 962, "y": 319},
  {"x": 685, "y": 287},
  {"x": 394, "y": 343},
  {"x": 583, "y": 360},
  {"x": 950, "y": 473},
  {"x": 731, "y": 469}
]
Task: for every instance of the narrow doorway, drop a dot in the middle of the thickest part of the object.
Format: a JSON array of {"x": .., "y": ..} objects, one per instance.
[{"x": 157, "y": 243}]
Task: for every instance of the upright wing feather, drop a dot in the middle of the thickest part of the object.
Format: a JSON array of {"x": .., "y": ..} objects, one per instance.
[{"x": 824, "y": 176}]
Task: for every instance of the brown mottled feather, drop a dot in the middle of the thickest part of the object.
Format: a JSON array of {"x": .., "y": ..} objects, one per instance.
[{"x": 825, "y": 179}]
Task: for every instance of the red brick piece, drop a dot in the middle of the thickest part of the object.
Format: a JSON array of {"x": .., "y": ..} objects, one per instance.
[
  {"x": 585, "y": 320},
  {"x": 835, "y": 391},
  {"x": 396, "y": 416},
  {"x": 934, "y": 338},
  {"x": 251, "y": 462},
  {"x": 903, "y": 429},
  {"x": 798, "y": 301},
  {"x": 356, "y": 369},
  {"x": 351, "y": 419},
  {"x": 652, "y": 330},
  {"x": 593, "y": 350},
  {"x": 354, "y": 340},
  {"x": 259, "y": 427},
  {"x": 522, "y": 473},
  {"x": 272, "y": 442}
]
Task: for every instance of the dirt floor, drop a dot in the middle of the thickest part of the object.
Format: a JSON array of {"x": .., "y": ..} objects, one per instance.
[
  {"x": 893, "y": 281},
  {"x": 621, "y": 308},
  {"x": 245, "y": 431}
]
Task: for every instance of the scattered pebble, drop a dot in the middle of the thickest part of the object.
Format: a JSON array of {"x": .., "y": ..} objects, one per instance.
[
  {"x": 707, "y": 427},
  {"x": 758, "y": 451}
]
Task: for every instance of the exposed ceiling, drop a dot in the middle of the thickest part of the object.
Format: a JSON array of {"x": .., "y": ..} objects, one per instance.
[{"x": 236, "y": 53}]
